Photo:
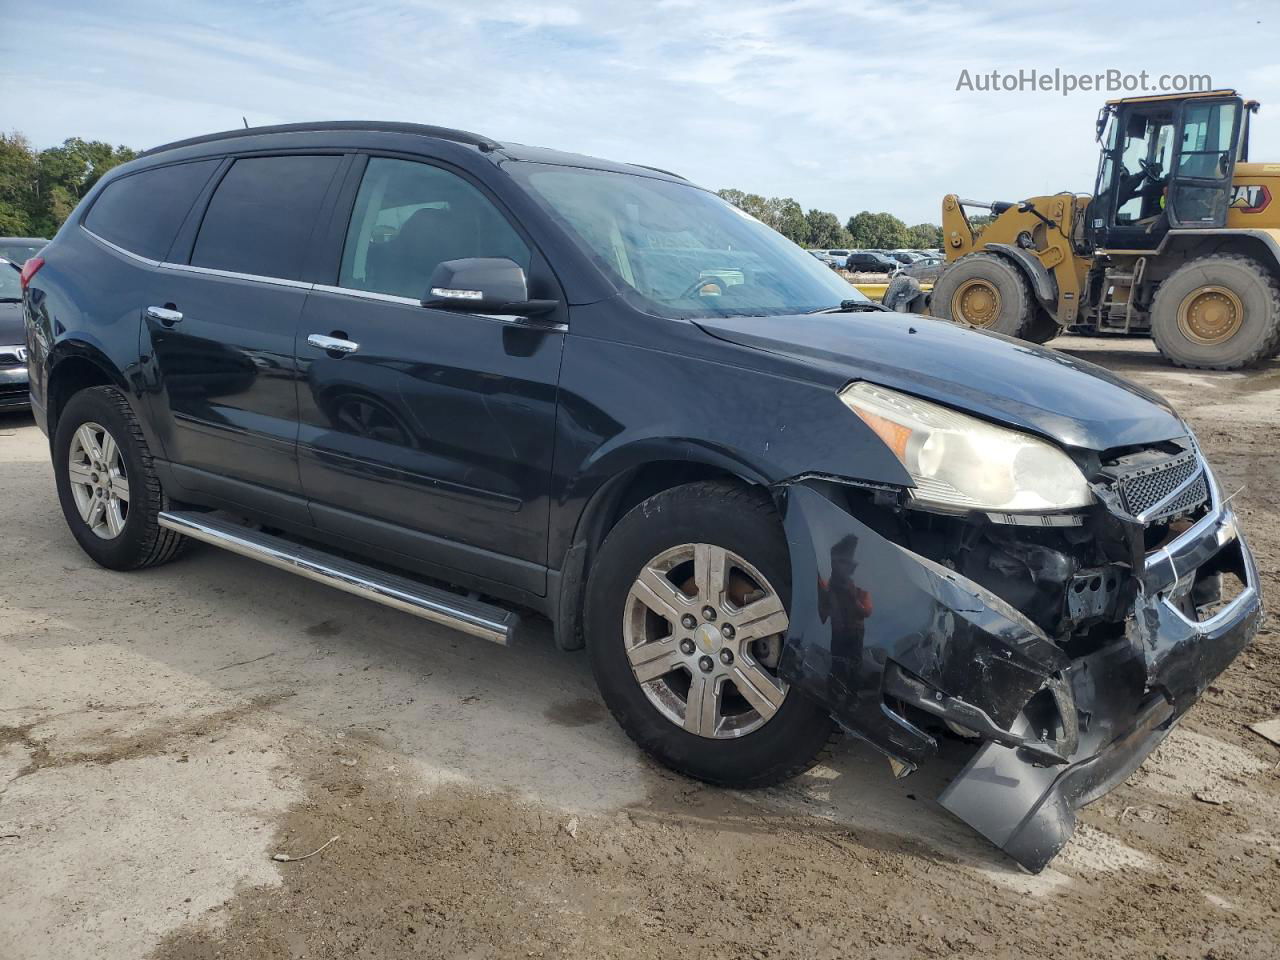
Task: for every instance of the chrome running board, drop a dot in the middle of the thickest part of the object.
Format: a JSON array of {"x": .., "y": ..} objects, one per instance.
[{"x": 474, "y": 617}]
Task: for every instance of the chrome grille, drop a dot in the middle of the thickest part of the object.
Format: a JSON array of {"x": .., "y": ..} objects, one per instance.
[{"x": 1144, "y": 489}]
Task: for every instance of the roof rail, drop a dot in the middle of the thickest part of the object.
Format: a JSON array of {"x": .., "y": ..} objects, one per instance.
[
  {"x": 645, "y": 166},
  {"x": 419, "y": 129}
]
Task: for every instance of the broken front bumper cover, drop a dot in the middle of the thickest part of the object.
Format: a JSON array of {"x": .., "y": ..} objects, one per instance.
[{"x": 874, "y": 625}]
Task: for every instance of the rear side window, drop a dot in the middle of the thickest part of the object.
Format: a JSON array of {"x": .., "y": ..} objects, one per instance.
[
  {"x": 261, "y": 216},
  {"x": 142, "y": 212}
]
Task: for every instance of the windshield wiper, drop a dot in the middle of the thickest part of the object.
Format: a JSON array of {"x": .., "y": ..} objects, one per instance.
[
  {"x": 855, "y": 306},
  {"x": 10, "y": 299}
]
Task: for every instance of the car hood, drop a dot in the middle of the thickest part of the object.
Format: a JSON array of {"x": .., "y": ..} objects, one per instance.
[
  {"x": 995, "y": 377},
  {"x": 11, "y": 329}
]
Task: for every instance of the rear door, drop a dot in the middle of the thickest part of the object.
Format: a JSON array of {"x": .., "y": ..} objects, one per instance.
[
  {"x": 433, "y": 438},
  {"x": 222, "y": 340},
  {"x": 1208, "y": 145}
]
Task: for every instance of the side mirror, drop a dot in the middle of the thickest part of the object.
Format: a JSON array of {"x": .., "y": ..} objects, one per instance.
[{"x": 483, "y": 285}]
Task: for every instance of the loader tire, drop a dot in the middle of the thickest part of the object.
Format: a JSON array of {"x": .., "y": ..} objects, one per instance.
[
  {"x": 1220, "y": 312},
  {"x": 1042, "y": 328},
  {"x": 985, "y": 291}
]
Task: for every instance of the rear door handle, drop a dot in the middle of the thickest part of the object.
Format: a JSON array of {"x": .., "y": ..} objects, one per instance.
[
  {"x": 165, "y": 315},
  {"x": 332, "y": 344}
]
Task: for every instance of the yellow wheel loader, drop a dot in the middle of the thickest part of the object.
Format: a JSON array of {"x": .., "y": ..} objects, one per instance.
[{"x": 1181, "y": 240}]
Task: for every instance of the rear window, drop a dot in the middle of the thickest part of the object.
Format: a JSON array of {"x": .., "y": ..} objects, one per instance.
[
  {"x": 261, "y": 216},
  {"x": 19, "y": 252},
  {"x": 143, "y": 211}
]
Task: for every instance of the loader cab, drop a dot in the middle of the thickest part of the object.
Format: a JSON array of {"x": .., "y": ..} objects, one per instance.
[{"x": 1166, "y": 163}]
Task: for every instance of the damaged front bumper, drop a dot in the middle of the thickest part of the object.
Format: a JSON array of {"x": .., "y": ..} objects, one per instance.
[{"x": 884, "y": 636}]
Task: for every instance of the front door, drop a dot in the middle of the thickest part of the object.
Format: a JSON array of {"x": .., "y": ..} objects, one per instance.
[
  {"x": 431, "y": 436},
  {"x": 223, "y": 337},
  {"x": 1208, "y": 144}
]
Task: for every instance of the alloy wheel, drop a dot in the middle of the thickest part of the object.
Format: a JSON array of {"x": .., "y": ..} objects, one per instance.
[
  {"x": 99, "y": 480},
  {"x": 703, "y": 631}
]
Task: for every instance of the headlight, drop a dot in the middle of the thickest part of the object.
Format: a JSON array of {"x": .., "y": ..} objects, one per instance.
[{"x": 958, "y": 461}]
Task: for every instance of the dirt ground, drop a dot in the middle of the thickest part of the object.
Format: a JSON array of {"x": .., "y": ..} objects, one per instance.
[{"x": 163, "y": 735}]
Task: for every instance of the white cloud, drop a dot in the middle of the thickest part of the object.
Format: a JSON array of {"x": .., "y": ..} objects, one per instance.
[{"x": 843, "y": 106}]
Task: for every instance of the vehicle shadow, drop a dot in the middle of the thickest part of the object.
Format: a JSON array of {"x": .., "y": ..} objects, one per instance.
[
  {"x": 14, "y": 419},
  {"x": 524, "y": 720}
]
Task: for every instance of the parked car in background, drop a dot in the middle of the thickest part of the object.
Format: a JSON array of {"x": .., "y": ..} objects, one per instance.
[
  {"x": 865, "y": 261},
  {"x": 13, "y": 340},
  {"x": 904, "y": 257},
  {"x": 20, "y": 249},
  {"x": 832, "y": 258},
  {"x": 926, "y": 269},
  {"x": 767, "y": 507}
]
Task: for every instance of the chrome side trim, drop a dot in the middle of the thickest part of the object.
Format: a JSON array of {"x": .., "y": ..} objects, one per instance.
[
  {"x": 365, "y": 295},
  {"x": 473, "y": 617},
  {"x": 515, "y": 321},
  {"x": 188, "y": 268},
  {"x": 525, "y": 322},
  {"x": 121, "y": 250},
  {"x": 232, "y": 275}
]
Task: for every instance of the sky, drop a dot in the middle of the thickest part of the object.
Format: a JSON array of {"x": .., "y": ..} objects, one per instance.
[{"x": 843, "y": 106}]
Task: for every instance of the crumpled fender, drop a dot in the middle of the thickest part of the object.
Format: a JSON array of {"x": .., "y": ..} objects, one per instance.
[
  {"x": 865, "y": 609},
  {"x": 859, "y": 601}
]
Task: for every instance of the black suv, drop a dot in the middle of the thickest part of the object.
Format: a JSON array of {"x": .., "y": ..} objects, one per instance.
[
  {"x": 475, "y": 380},
  {"x": 868, "y": 261}
]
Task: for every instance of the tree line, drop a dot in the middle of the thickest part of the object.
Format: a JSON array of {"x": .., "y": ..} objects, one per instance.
[
  {"x": 821, "y": 229},
  {"x": 40, "y": 188}
]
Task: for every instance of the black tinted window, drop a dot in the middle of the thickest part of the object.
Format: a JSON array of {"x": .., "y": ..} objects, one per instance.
[
  {"x": 260, "y": 218},
  {"x": 411, "y": 217},
  {"x": 143, "y": 212}
]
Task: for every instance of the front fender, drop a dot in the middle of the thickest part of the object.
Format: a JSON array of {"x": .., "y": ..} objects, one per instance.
[
  {"x": 1042, "y": 283},
  {"x": 863, "y": 607}
]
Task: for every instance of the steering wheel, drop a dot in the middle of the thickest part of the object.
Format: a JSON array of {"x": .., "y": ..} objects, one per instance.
[
  {"x": 1153, "y": 171},
  {"x": 695, "y": 288}
]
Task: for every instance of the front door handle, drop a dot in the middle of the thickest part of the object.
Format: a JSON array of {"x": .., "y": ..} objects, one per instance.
[
  {"x": 166, "y": 315},
  {"x": 333, "y": 344}
]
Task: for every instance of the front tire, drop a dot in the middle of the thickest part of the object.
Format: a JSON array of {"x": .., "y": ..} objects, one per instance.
[
  {"x": 985, "y": 291},
  {"x": 686, "y": 613},
  {"x": 108, "y": 489},
  {"x": 1042, "y": 328}
]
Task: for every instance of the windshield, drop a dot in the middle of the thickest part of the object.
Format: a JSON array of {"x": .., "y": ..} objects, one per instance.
[
  {"x": 10, "y": 287},
  {"x": 685, "y": 251}
]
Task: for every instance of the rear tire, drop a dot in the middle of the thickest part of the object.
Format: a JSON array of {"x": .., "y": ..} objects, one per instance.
[
  {"x": 1219, "y": 312},
  {"x": 985, "y": 291},
  {"x": 784, "y": 738},
  {"x": 97, "y": 429}
]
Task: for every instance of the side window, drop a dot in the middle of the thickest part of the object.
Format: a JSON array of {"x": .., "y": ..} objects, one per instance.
[
  {"x": 260, "y": 218},
  {"x": 1207, "y": 146},
  {"x": 143, "y": 211},
  {"x": 410, "y": 217}
]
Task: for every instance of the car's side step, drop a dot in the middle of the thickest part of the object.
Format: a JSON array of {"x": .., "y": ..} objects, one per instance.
[{"x": 474, "y": 617}]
